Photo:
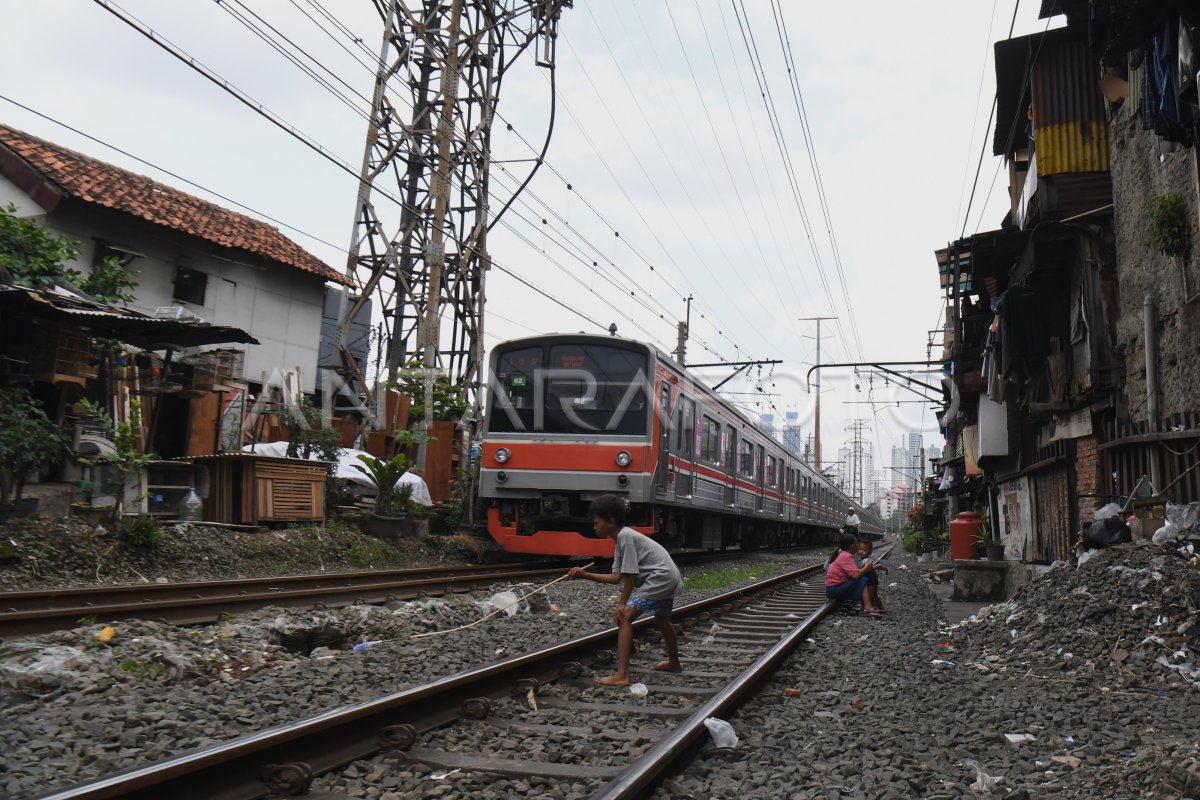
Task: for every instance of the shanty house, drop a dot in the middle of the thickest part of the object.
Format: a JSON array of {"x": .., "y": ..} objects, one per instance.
[{"x": 194, "y": 258}]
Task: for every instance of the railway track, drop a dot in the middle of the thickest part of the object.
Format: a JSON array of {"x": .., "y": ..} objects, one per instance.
[
  {"x": 25, "y": 613},
  {"x": 29, "y": 612},
  {"x": 483, "y": 720}
]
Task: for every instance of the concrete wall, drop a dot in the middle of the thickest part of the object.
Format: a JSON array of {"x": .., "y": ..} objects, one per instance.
[
  {"x": 1139, "y": 173},
  {"x": 280, "y": 306}
]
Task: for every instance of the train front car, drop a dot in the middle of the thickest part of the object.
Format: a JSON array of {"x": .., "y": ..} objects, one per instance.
[{"x": 569, "y": 418}]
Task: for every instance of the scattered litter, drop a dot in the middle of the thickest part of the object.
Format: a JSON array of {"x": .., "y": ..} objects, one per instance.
[
  {"x": 1018, "y": 738},
  {"x": 504, "y": 601},
  {"x": 1070, "y": 761},
  {"x": 553, "y": 608},
  {"x": 1069, "y": 739},
  {"x": 364, "y": 645},
  {"x": 531, "y": 696},
  {"x": 106, "y": 634},
  {"x": 857, "y": 705},
  {"x": 161, "y": 581},
  {"x": 441, "y": 776},
  {"x": 862, "y": 639},
  {"x": 722, "y": 732},
  {"x": 499, "y": 651},
  {"x": 639, "y": 690},
  {"x": 791, "y": 616},
  {"x": 984, "y": 783},
  {"x": 903, "y": 567},
  {"x": 792, "y": 693},
  {"x": 941, "y": 663},
  {"x": 893, "y": 585}
]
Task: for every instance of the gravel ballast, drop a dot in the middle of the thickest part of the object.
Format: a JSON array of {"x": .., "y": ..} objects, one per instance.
[
  {"x": 75, "y": 708},
  {"x": 1081, "y": 686}
]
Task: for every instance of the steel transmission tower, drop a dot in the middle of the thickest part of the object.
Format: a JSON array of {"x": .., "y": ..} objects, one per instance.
[
  {"x": 429, "y": 147},
  {"x": 857, "y": 448}
]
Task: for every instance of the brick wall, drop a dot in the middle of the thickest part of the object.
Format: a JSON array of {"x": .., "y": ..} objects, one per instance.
[{"x": 1088, "y": 479}]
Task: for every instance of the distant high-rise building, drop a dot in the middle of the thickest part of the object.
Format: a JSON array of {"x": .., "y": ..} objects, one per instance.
[
  {"x": 767, "y": 423},
  {"x": 792, "y": 439},
  {"x": 901, "y": 472},
  {"x": 914, "y": 442}
]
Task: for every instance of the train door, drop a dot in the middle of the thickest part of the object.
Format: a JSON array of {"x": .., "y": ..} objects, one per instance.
[
  {"x": 758, "y": 476},
  {"x": 687, "y": 446},
  {"x": 664, "y": 439},
  {"x": 731, "y": 466}
]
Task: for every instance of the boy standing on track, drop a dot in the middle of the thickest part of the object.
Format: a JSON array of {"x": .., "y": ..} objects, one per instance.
[{"x": 638, "y": 561}]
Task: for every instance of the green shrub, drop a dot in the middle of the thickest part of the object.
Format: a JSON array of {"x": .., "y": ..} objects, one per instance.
[
  {"x": 142, "y": 531},
  {"x": 1170, "y": 231}
]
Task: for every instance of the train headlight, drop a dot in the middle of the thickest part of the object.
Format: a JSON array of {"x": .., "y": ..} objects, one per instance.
[
  {"x": 624, "y": 459},
  {"x": 502, "y": 455}
]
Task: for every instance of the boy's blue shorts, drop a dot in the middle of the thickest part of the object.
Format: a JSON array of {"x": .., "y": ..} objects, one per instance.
[{"x": 657, "y": 608}]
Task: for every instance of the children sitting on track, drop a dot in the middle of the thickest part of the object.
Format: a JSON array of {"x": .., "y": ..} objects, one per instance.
[
  {"x": 871, "y": 592},
  {"x": 845, "y": 580}
]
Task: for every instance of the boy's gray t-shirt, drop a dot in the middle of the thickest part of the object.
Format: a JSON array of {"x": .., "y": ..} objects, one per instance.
[{"x": 637, "y": 554}]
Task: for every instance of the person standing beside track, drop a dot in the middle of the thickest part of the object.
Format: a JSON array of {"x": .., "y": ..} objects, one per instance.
[
  {"x": 638, "y": 561},
  {"x": 852, "y": 521}
]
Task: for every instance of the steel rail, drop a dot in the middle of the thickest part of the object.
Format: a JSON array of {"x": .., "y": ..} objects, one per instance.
[
  {"x": 283, "y": 759},
  {"x": 641, "y": 775},
  {"x": 202, "y": 602},
  {"x": 28, "y": 612}
]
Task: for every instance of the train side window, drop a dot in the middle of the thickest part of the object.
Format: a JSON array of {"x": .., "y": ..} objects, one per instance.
[
  {"x": 746, "y": 459},
  {"x": 772, "y": 478},
  {"x": 758, "y": 463},
  {"x": 710, "y": 440}
]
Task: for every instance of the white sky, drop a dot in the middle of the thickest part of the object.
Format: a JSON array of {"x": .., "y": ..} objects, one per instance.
[{"x": 660, "y": 127}]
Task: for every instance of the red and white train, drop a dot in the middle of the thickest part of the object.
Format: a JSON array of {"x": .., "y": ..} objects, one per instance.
[{"x": 572, "y": 417}]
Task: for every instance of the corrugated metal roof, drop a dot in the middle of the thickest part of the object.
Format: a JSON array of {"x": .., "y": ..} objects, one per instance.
[{"x": 1070, "y": 128}]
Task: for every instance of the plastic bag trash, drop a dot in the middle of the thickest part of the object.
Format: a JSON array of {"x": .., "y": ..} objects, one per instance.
[
  {"x": 984, "y": 783},
  {"x": 1017, "y": 738},
  {"x": 364, "y": 645},
  {"x": 942, "y": 663},
  {"x": 504, "y": 601},
  {"x": 638, "y": 690},
  {"x": 893, "y": 585},
  {"x": 722, "y": 732},
  {"x": 1182, "y": 515},
  {"x": 1105, "y": 532},
  {"x": 1110, "y": 510},
  {"x": 106, "y": 634},
  {"x": 1085, "y": 557},
  {"x": 1165, "y": 534},
  {"x": 903, "y": 567}
]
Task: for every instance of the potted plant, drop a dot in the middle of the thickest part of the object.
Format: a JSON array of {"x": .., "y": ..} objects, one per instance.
[
  {"x": 127, "y": 460},
  {"x": 391, "y": 517},
  {"x": 991, "y": 544},
  {"x": 29, "y": 443}
]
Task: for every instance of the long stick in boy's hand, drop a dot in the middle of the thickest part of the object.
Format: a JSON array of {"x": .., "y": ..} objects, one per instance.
[{"x": 541, "y": 588}]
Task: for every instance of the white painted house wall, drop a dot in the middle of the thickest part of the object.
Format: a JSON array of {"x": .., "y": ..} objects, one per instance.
[{"x": 277, "y": 304}]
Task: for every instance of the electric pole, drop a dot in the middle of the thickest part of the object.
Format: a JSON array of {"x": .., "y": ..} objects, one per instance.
[
  {"x": 817, "y": 420},
  {"x": 684, "y": 328}
]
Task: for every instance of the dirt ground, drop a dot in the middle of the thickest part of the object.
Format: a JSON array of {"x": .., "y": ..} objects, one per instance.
[{"x": 45, "y": 552}]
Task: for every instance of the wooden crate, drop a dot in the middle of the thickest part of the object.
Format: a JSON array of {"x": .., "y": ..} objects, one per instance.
[{"x": 249, "y": 489}]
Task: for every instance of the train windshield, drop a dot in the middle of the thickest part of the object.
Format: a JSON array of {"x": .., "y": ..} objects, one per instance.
[{"x": 571, "y": 388}]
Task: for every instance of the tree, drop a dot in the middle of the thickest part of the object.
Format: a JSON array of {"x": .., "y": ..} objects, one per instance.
[{"x": 36, "y": 259}]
